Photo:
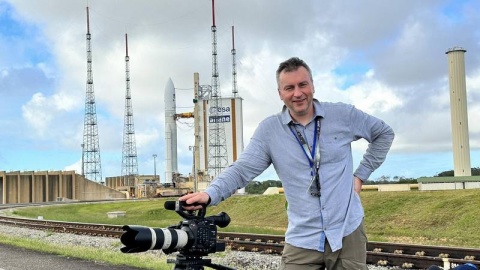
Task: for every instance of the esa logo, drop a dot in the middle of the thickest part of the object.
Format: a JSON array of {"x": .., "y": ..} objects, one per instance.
[{"x": 219, "y": 110}]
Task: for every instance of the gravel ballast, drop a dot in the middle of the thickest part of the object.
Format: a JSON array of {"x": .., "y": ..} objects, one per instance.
[{"x": 235, "y": 259}]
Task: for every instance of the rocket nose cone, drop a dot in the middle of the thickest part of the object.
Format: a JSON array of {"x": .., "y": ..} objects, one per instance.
[
  {"x": 169, "y": 89},
  {"x": 169, "y": 85},
  {"x": 169, "y": 95}
]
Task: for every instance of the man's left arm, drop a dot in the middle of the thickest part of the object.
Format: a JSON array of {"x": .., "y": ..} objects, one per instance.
[
  {"x": 380, "y": 137},
  {"x": 357, "y": 184}
]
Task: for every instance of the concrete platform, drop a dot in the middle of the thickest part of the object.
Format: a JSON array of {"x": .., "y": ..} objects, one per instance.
[{"x": 116, "y": 214}]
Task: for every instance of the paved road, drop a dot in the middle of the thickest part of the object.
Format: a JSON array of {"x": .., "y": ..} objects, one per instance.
[{"x": 14, "y": 258}]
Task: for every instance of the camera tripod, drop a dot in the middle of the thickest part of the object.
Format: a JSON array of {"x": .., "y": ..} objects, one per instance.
[{"x": 183, "y": 262}]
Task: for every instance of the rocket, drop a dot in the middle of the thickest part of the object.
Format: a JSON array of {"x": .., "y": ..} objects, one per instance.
[{"x": 170, "y": 132}]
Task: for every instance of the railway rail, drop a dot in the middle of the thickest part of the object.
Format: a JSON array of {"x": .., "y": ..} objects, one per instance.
[{"x": 406, "y": 256}]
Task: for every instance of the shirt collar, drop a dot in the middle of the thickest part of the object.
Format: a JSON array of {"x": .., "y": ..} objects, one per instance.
[{"x": 319, "y": 112}]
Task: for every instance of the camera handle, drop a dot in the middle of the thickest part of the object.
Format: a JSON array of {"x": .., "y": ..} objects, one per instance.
[
  {"x": 195, "y": 263},
  {"x": 187, "y": 214}
]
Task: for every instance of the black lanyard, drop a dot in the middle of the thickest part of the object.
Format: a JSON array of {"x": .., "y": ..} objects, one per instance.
[{"x": 313, "y": 156}]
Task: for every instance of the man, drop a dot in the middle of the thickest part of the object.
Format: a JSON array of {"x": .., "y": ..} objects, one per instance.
[{"x": 308, "y": 143}]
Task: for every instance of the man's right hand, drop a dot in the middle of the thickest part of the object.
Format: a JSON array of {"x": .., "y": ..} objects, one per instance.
[{"x": 197, "y": 197}]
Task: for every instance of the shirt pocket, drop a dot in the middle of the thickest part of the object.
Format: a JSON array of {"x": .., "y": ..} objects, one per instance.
[{"x": 334, "y": 149}]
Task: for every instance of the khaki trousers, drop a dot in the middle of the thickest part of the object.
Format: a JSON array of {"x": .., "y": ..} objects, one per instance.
[{"x": 352, "y": 255}]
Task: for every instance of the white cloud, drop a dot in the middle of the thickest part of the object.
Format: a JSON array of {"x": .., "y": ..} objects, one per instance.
[
  {"x": 374, "y": 97},
  {"x": 37, "y": 115}
]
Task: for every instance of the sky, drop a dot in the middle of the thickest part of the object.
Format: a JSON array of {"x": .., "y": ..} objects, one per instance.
[{"x": 385, "y": 57}]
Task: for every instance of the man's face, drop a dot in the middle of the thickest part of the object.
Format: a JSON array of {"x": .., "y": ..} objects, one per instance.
[{"x": 296, "y": 90}]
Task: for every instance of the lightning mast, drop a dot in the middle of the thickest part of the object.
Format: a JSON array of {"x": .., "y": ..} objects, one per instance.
[
  {"x": 129, "y": 153},
  {"x": 234, "y": 65},
  {"x": 217, "y": 149},
  {"x": 91, "y": 165}
]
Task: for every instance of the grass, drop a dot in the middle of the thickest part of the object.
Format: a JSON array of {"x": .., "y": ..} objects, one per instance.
[
  {"x": 149, "y": 213},
  {"x": 447, "y": 218},
  {"x": 244, "y": 212},
  {"x": 146, "y": 261}
]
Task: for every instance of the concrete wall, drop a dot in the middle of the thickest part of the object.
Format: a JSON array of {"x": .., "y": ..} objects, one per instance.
[
  {"x": 448, "y": 182},
  {"x": 471, "y": 185},
  {"x": 1, "y": 187},
  {"x": 48, "y": 186},
  {"x": 449, "y": 186},
  {"x": 440, "y": 186},
  {"x": 394, "y": 187},
  {"x": 124, "y": 182},
  {"x": 90, "y": 190},
  {"x": 11, "y": 188},
  {"x": 391, "y": 187}
]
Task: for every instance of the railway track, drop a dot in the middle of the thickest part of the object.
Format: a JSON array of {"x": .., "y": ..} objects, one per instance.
[
  {"x": 64, "y": 227},
  {"x": 405, "y": 256}
]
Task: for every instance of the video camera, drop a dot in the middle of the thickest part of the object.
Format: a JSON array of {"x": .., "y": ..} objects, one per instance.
[{"x": 193, "y": 237}]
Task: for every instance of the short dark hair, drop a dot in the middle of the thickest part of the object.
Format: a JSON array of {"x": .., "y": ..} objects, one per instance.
[{"x": 292, "y": 64}]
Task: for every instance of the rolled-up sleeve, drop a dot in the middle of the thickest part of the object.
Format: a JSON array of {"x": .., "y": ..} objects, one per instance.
[{"x": 380, "y": 137}]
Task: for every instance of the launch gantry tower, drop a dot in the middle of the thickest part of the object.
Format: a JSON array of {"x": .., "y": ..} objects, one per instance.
[
  {"x": 217, "y": 146},
  {"x": 129, "y": 153},
  {"x": 91, "y": 165}
]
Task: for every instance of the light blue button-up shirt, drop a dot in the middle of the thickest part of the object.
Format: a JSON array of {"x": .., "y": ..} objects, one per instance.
[{"x": 338, "y": 211}]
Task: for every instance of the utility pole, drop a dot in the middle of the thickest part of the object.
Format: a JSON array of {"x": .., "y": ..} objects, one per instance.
[{"x": 154, "y": 167}]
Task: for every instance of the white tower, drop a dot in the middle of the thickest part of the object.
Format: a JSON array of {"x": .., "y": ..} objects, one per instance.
[{"x": 458, "y": 110}]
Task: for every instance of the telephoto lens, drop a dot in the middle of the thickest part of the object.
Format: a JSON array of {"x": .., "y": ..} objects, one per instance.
[{"x": 141, "y": 238}]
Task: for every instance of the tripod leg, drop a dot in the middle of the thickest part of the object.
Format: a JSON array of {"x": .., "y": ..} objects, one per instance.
[
  {"x": 188, "y": 267},
  {"x": 218, "y": 266},
  {"x": 178, "y": 267}
]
